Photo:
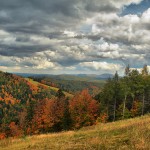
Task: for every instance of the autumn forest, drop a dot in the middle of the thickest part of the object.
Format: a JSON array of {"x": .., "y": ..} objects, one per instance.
[{"x": 31, "y": 106}]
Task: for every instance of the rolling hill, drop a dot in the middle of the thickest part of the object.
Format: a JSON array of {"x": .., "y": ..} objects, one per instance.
[
  {"x": 71, "y": 83},
  {"x": 38, "y": 84}
]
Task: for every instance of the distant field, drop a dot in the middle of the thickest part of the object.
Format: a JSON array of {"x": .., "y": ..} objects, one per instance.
[
  {"x": 131, "y": 134},
  {"x": 72, "y": 84},
  {"x": 78, "y": 78},
  {"x": 50, "y": 87}
]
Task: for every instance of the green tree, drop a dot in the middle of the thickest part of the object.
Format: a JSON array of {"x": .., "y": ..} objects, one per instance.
[
  {"x": 60, "y": 94},
  {"x": 145, "y": 70},
  {"x": 116, "y": 92},
  {"x": 127, "y": 70},
  {"x": 125, "y": 89}
]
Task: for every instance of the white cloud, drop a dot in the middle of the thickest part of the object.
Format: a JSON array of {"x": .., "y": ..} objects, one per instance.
[
  {"x": 146, "y": 16},
  {"x": 70, "y": 33},
  {"x": 3, "y": 68},
  {"x": 3, "y": 33},
  {"x": 125, "y": 2},
  {"x": 102, "y": 66}
]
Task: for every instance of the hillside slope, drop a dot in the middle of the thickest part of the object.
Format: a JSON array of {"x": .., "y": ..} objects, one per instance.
[
  {"x": 21, "y": 100},
  {"x": 14, "y": 88},
  {"x": 55, "y": 89},
  {"x": 122, "y": 135}
]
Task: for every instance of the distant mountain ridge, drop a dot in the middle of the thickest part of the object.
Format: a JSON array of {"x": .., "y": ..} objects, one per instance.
[
  {"x": 101, "y": 76},
  {"x": 105, "y": 76},
  {"x": 94, "y": 76}
]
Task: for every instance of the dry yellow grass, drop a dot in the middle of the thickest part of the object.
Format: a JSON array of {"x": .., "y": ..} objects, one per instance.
[{"x": 121, "y": 135}]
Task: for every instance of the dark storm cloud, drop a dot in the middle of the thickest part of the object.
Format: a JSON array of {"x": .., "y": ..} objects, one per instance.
[
  {"x": 22, "y": 50},
  {"x": 32, "y": 15},
  {"x": 22, "y": 39},
  {"x": 29, "y": 16},
  {"x": 65, "y": 7},
  {"x": 36, "y": 17},
  {"x": 100, "y": 6},
  {"x": 89, "y": 36}
]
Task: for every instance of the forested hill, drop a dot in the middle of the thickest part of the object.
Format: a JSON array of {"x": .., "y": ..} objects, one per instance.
[
  {"x": 28, "y": 107},
  {"x": 15, "y": 89},
  {"x": 19, "y": 98}
]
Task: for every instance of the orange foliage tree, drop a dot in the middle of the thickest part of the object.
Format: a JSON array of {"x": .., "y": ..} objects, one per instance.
[
  {"x": 83, "y": 109},
  {"x": 48, "y": 113},
  {"x": 136, "y": 108}
]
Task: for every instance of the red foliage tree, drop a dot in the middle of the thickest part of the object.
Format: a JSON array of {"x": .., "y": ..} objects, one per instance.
[
  {"x": 2, "y": 136},
  {"x": 15, "y": 131}
]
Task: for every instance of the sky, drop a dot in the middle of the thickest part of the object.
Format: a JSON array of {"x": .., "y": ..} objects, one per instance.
[{"x": 74, "y": 36}]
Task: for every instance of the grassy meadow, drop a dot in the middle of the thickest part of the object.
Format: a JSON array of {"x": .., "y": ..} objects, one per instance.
[{"x": 131, "y": 134}]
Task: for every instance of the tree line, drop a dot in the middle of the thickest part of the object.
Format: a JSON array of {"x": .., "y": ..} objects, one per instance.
[{"x": 126, "y": 97}]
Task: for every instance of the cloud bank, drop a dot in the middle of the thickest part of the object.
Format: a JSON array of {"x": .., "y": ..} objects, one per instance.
[{"x": 72, "y": 36}]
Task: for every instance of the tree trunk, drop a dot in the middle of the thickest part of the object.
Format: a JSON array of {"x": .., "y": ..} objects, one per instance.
[
  {"x": 124, "y": 106},
  {"x": 143, "y": 103},
  {"x": 114, "y": 110},
  {"x": 133, "y": 101}
]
